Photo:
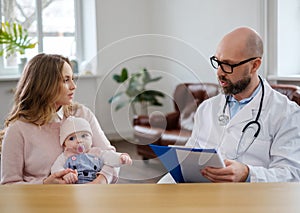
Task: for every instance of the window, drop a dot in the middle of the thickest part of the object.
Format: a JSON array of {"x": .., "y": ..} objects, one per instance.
[
  {"x": 288, "y": 37},
  {"x": 52, "y": 23},
  {"x": 283, "y": 40}
]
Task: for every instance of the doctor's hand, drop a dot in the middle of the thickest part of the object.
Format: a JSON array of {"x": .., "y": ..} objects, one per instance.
[{"x": 233, "y": 172}]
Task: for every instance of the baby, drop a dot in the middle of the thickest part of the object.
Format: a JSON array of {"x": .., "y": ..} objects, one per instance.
[{"x": 87, "y": 161}]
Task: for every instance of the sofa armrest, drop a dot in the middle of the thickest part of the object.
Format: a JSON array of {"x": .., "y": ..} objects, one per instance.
[
  {"x": 165, "y": 121},
  {"x": 147, "y": 135},
  {"x": 142, "y": 120},
  {"x": 173, "y": 120},
  {"x": 296, "y": 98},
  {"x": 159, "y": 120}
]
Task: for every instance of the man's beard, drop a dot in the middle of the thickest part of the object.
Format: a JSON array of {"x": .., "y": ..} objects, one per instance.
[{"x": 236, "y": 88}]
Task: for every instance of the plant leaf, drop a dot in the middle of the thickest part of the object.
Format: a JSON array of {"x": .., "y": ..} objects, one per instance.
[
  {"x": 124, "y": 75},
  {"x": 116, "y": 97},
  {"x": 136, "y": 89},
  {"x": 154, "y": 93},
  {"x": 15, "y": 39},
  {"x": 146, "y": 76},
  {"x": 154, "y": 79},
  {"x": 121, "y": 105},
  {"x": 117, "y": 78}
]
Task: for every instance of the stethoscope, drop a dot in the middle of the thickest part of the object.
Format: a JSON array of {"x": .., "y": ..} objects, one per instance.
[{"x": 224, "y": 119}]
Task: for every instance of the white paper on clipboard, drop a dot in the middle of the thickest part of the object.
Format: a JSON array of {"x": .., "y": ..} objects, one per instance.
[{"x": 192, "y": 162}]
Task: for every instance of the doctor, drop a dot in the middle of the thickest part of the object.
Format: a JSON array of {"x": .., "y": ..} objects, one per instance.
[{"x": 255, "y": 128}]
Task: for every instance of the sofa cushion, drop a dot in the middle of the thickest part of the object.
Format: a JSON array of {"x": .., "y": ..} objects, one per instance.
[
  {"x": 147, "y": 135},
  {"x": 177, "y": 137}
]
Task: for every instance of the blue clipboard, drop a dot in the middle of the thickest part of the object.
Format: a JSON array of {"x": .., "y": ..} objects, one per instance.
[
  {"x": 167, "y": 155},
  {"x": 183, "y": 171}
]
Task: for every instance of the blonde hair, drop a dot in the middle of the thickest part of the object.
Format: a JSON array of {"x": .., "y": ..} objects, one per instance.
[{"x": 38, "y": 90}]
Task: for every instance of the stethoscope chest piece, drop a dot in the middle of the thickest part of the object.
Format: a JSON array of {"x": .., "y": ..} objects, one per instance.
[{"x": 223, "y": 120}]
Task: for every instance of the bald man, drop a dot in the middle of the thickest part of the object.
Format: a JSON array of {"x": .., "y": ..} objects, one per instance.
[{"x": 255, "y": 128}]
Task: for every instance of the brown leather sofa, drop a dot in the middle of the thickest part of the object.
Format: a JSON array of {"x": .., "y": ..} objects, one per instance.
[
  {"x": 291, "y": 91},
  {"x": 167, "y": 129},
  {"x": 175, "y": 127}
]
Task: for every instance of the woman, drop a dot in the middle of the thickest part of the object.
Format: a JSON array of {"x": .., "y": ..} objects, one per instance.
[{"x": 43, "y": 99}]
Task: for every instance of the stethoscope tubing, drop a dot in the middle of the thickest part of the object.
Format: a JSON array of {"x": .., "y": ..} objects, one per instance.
[{"x": 223, "y": 119}]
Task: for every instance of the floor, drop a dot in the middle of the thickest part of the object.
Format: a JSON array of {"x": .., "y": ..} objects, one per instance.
[{"x": 140, "y": 171}]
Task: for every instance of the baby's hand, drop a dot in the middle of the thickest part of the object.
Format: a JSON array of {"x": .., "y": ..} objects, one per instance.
[
  {"x": 125, "y": 159},
  {"x": 71, "y": 177}
]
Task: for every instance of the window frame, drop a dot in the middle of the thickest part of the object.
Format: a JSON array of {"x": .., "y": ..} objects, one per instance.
[
  {"x": 84, "y": 38},
  {"x": 273, "y": 74}
]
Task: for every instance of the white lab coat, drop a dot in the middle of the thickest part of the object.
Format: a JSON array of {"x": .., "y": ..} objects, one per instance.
[{"x": 274, "y": 156}]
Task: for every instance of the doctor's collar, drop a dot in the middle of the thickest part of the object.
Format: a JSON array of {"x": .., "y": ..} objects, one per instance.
[{"x": 230, "y": 98}]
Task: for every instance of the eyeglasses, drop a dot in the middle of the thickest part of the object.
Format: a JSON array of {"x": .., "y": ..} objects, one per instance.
[{"x": 227, "y": 68}]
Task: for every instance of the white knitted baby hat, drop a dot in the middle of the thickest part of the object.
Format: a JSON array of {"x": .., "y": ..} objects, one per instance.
[{"x": 73, "y": 124}]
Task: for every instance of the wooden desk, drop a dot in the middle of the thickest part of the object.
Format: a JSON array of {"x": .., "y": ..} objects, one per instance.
[{"x": 154, "y": 198}]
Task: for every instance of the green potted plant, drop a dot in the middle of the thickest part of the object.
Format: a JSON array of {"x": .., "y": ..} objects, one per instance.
[
  {"x": 136, "y": 91},
  {"x": 14, "y": 39}
]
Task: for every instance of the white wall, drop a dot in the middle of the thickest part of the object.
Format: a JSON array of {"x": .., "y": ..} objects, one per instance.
[
  {"x": 7, "y": 97},
  {"x": 172, "y": 38}
]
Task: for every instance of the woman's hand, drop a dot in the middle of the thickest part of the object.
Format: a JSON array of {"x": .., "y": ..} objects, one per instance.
[{"x": 57, "y": 177}]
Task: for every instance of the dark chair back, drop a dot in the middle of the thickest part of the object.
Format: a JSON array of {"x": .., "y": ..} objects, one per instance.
[
  {"x": 187, "y": 93},
  {"x": 291, "y": 91}
]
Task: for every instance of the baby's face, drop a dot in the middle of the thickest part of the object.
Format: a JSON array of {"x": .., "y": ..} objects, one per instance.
[{"x": 78, "y": 141}]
